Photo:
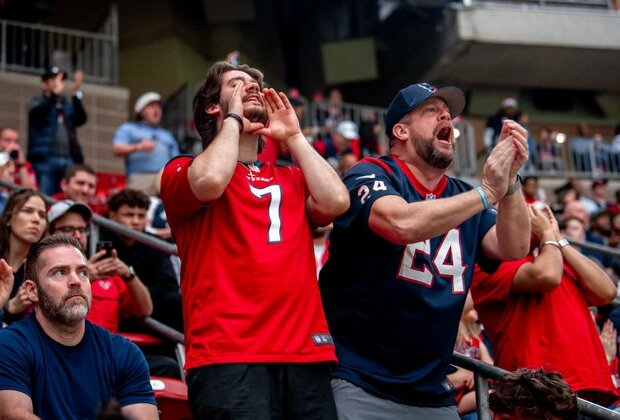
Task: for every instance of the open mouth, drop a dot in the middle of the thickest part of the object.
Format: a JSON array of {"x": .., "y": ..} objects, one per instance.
[
  {"x": 252, "y": 98},
  {"x": 445, "y": 134}
]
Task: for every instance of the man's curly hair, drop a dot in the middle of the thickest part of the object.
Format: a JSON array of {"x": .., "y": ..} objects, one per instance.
[{"x": 534, "y": 395}]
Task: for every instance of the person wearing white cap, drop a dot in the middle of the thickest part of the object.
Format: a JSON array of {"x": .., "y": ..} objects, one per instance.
[
  {"x": 145, "y": 145},
  {"x": 508, "y": 110}
]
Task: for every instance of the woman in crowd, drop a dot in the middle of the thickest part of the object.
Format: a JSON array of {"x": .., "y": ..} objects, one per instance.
[{"x": 22, "y": 224}]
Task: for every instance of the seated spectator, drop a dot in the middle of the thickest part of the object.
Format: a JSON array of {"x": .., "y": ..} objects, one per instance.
[
  {"x": 533, "y": 395},
  {"x": 117, "y": 291},
  {"x": 577, "y": 209},
  {"x": 600, "y": 224},
  {"x": 128, "y": 207},
  {"x": 79, "y": 184},
  {"x": 565, "y": 194},
  {"x": 56, "y": 364},
  {"x": 535, "y": 311},
  {"x": 344, "y": 139},
  {"x": 581, "y": 148},
  {"x": 598, "y": 199},
  {"x": 369, "y": 134},
  {"x": 145, "y": 144},
  {"x": 23, "y": 173},
  {"x": 549, "y": 158},
  {"x": 531, "y": 192},
  {"x": 469, "y": 343},
  {"x": 5, "y": 175},
  {"x": 22, "y": 224}
]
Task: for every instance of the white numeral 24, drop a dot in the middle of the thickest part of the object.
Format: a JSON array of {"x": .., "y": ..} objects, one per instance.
[{"x": 451, "y": 245}]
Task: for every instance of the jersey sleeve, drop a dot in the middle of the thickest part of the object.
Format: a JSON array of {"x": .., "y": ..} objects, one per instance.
[
  {"x": 14, "y": 363},
  {"x": 134, "y": 385},
  {"x": 176, "y": 194},
  {"x": 366, "y": 183}
]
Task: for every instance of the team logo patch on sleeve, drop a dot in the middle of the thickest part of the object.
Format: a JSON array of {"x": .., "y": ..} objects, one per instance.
[{"x": 322, "y": 339}]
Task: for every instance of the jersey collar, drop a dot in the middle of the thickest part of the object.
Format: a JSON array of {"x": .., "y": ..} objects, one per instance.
[{"x": 417, "y": 185}]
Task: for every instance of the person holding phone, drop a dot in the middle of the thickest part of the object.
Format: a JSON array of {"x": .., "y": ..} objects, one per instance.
[
  {"x": 53, "y": 119},
  {"x": 117, "y": 291},
  {"x": 23, "y": 173}
]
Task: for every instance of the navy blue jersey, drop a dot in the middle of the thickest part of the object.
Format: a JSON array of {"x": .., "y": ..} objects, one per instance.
[{"x": 393, "y": 310}]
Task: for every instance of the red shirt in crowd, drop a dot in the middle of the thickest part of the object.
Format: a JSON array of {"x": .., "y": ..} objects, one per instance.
[
  {"x": 552, "y": 330},
  {"x": 249, "y": 285},
  {"x": 110, "y": 297}
]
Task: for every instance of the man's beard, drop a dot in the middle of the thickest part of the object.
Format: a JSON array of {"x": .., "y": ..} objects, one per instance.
[
  {"x": 426, "y": 150},
  {"x": 256, "y": 114},
  {"x": 64, "y": 312}
]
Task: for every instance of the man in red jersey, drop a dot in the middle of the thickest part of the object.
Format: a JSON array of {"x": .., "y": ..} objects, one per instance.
[
  {"x": 256, "y": 337},
  {"x": 535, "y": 311}
]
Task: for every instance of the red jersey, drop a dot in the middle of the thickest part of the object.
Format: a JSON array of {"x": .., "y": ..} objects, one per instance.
[
  {"x": 552, "y": 330},
  {"x": 248, "y": 276},
  {"x": 109, "y": 298}
]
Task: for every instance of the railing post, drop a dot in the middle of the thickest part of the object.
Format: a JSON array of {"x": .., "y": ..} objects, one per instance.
[
  {"x": 114, "y": 33},
  {"x": 481, "y": 385},
  {"x": 4, "y": 46}
]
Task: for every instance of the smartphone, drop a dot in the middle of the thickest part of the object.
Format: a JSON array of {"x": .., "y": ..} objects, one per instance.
[{"x": 108, "y": 246}]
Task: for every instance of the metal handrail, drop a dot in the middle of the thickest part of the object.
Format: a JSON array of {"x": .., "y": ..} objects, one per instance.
[
  {"x": 30, "y": 47},
  {"x": 113, "y": 226},
  {"x": 483, "y": 372}
]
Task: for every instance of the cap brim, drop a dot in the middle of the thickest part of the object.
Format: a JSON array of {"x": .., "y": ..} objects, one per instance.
[{"x": 454, "y": 97}]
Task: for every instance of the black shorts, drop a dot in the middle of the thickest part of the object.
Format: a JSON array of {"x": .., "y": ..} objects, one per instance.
[{"x": 262, "y": 391}]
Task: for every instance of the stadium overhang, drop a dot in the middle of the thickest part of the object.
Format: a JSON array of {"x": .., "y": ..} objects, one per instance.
[{"x": 487, "y": 46}]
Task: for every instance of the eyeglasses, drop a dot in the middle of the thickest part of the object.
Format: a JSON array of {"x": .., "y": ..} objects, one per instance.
[{"x": 70, "y": 229}]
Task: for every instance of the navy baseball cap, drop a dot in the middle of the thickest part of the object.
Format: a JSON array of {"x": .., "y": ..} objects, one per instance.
[
  {"x": 413, "y": 95},
  {"x": 50, "y": 72}
]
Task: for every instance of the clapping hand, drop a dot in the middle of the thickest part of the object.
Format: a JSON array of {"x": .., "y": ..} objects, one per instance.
[{"x": 6, "y": 282}]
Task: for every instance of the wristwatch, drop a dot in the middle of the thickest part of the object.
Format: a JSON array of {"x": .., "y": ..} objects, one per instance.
[
  {"x": 514, "y": 187},
  {"x": 131, "y": 276},
  {"x": 563, "y": 242}
]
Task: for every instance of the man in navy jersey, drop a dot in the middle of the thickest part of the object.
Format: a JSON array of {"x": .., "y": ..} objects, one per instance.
[{"x": 401, "y": 258}]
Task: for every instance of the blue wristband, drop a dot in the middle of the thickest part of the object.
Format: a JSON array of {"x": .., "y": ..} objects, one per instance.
[{"x": 483, "y": 196}]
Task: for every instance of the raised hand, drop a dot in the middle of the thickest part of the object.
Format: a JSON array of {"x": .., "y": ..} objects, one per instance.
[
  {"x": 235, "y": 106},
  {"x": 78, "y": 76},
  {"x": 517, "y": 135},
  {"x": 283, "y": 122},
  {"x": 20, "y": 302},
  {"x": 6, "y": 282},
  {"x": 609, "y": 340},
  {"x": 552, "y": 220},
  {"x": 496, "y": 171},
  {"x": 541, "y": 225}
]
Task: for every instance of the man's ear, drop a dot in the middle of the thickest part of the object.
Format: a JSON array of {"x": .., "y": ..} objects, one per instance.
[
  {"x": 212, "y": 109},
  {"x": 31, "y": 291},
  {"x": 400, "y": 132},
  {"x": 112, "y": 215},
  {"x": 63, "y": 185}
]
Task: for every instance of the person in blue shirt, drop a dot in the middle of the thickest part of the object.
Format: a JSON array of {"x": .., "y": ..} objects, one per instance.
[
  {"x": 57, "y": 365},
  {"x": 145, "y": 145},
  {"x": 401, "y": 258}
]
